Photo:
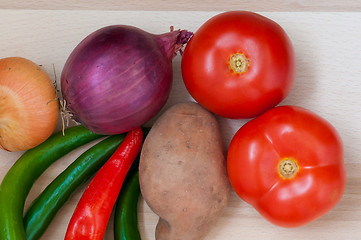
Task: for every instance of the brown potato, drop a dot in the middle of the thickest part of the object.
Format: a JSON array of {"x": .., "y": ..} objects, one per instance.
[{"x": 183, "y": 175}]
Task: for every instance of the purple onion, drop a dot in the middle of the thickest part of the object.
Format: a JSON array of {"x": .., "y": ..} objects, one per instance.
[{"x": 119, "y": 77}]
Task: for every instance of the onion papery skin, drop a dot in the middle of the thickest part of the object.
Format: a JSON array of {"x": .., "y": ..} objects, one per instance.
[
  {"x": 29, "y": 108},
  {"x": 119, "y": 77}
]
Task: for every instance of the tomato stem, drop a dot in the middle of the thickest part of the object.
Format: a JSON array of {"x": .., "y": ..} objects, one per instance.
[
  {"x": 288, "y": 168},
  {"x": 239, "y": 63}
]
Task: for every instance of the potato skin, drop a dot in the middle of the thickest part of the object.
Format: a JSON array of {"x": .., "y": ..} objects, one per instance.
[{"x": 183, "y": 176}]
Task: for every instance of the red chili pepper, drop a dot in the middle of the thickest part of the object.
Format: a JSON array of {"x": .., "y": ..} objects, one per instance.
[{"x": 91, "y": 216}]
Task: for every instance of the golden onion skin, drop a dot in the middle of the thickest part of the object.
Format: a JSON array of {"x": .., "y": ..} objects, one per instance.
[{"x": 29, "y": 107}]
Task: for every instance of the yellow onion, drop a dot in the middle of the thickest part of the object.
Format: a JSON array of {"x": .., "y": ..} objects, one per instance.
[{"x": 29, "y": 108}]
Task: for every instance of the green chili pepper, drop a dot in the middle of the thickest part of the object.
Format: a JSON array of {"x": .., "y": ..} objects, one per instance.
[
  {"x": 44, "y": 208},
  {"x": 126, "y": 211},
  {"x": 20, "y": 178}
]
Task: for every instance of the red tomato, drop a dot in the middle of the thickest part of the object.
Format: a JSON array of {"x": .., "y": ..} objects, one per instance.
[
  {"x": 238, "y": 64},
  {"x": 288, "y": 164}
]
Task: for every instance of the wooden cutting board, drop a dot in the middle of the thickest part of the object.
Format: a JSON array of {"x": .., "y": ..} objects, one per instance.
[{"x": 327, "y": 46}]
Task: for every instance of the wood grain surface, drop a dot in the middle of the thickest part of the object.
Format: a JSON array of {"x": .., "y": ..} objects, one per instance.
[
  {"x": 327, "y": 46},
  {"x": 187, "y": 5}
]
